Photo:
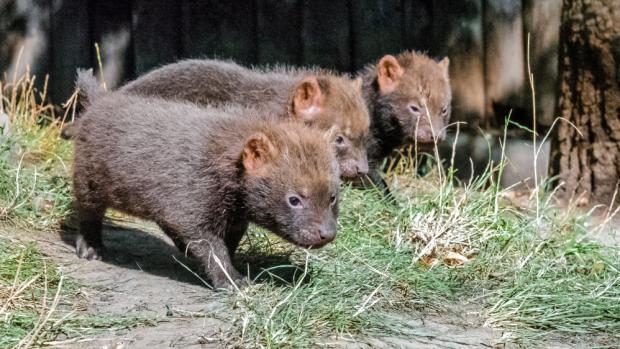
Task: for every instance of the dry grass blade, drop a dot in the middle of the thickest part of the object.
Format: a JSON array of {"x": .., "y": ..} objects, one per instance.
[{"x": 44, "y": 319}]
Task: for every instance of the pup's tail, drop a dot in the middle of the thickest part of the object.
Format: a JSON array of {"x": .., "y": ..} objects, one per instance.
[{"x": 88, "y": 91}]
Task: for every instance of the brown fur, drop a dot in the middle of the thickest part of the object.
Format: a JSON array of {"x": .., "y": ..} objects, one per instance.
[
  {"x": 393, "y": 88},
  {"x": 202, "y": 175},
  {"x": 318, "y": 99}
]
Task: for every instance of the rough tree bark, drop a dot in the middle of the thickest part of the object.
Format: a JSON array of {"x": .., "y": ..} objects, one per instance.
[{"x": 587, "y": 166}]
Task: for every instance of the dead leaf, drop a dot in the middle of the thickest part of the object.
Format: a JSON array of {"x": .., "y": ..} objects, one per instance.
[{"x": 454, "y": 258}]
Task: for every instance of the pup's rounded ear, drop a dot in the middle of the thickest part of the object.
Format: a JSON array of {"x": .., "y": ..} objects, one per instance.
[
  {"x": 389, "y": 73},
  {"x": 308, "y": 99},
  {"x": 258, "y": 152},
  {"x": 444, "y": 64}
]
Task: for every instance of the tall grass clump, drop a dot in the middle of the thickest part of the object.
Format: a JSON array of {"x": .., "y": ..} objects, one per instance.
[
  {"x": 532, "y": 264},
  {"x": 34, "y": 188}
]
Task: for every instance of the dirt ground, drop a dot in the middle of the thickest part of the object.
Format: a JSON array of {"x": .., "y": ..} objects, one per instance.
[{"x": 140, "y": 277}]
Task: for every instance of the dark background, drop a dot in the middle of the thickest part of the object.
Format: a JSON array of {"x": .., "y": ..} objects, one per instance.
[{"x": 486, "y": 41}]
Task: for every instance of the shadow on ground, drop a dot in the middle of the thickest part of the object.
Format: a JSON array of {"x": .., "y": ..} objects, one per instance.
[{"x": 148, "y": 250}]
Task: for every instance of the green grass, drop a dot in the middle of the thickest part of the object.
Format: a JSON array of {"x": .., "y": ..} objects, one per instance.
[
  {"x": 393, "y": 260},
  {"x": 28, "y": 287},
  {"x": 34, "y": 183},
  {"x": 436, "y": 246}
]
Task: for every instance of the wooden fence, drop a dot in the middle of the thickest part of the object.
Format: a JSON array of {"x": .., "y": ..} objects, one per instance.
[{"x": 485, "y": 40}]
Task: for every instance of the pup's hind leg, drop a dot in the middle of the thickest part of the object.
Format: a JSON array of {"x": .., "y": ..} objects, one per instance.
[
  {"x": 89, "y": 244},
  {"x": 90, "y": 207}
]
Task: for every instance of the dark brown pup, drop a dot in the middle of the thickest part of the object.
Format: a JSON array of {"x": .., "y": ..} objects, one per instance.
[
  {"x": 318, "y": 99},
  {"x": 408, "y": 97},
  {"x": 201, "y": 174}
]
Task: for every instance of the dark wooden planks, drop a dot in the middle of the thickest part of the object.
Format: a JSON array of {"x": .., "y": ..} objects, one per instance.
[
  {"x": 457, "y": 33},
  {"x": 542, "y": 20},
  {"x": 279, "y": 24},
  {"x": 70, "y": 45},
  {"x": 485, "y": 40},
  {"x": 24, "y": 44},
  {"x": 504, "y": 60},
  {"x": 326, "y": 34},
  {"x": 111, "y": 28},
  {"x": 220, "y": 29},
  {"x": 377, "y": 29},
  {"x": 417, "y": 24},
  {"x": 157, "y": 32}
]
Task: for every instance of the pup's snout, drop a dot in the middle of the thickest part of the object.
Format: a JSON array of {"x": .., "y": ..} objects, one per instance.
[
  {"x": 352, "y": 168},
  {"x": 327, "y": 234},
  {"x": 362, "y": 167},
  {"x": 428, "y": 135}
]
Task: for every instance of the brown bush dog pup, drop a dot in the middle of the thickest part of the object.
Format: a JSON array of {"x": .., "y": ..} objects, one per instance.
[
  {"x": 408, "y": 97},
  {"x": 318, "y": 99},
  {"x": 201, "y": 174}
]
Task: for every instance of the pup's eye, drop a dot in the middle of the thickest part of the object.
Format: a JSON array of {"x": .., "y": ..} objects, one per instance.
[
  {"x": 333, "y": 198},
  {"x": 414, "y": 108},
  {"x": 339, "y": 140},
  {"x": 294, "y": 201},
  {"x": 444, "y": 111}
]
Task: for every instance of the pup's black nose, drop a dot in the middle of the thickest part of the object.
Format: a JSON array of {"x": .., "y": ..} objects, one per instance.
[{"x": 327, "y": 234}]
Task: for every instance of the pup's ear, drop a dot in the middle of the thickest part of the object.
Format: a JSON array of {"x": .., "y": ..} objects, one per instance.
[
  {"x": 308, "y": 99},
  {"x": 444, "y": 64},
  {"x": 257, "y": 153},
  {"x": 389, "y": 73}
]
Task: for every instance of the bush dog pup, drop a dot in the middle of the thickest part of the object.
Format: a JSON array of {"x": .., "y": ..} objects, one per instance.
[
  {"x": 408, "y": 97},
  {"x": 201, "y": 174},
  {"x": 320, "y": 100}
]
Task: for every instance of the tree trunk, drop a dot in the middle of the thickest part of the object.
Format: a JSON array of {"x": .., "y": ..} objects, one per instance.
[{"x": 587, "y": 162}]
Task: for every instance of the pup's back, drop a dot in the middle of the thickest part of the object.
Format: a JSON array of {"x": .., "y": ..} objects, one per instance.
[{"x": 214, "y": 82}]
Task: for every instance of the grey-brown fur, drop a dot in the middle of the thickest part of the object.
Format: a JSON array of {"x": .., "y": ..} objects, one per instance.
[
  {"x": 202, "y": 175},
  {"x": 215, "y": 82}
]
